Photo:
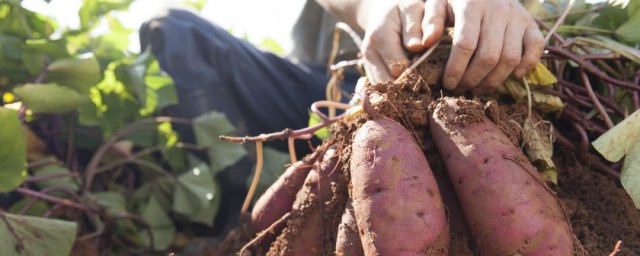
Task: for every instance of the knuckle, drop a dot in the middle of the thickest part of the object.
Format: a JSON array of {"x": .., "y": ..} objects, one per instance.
[
  {"x": 466, "y": 45},
  {"x": 529, "y": 62},
  {"x": 489, "y": 58},
  {"x": 367, "y": 53},
  {"x": 376, "y": 38},
  {"x": 511, "y": 59},
  {"x": 492, "y": 84}
]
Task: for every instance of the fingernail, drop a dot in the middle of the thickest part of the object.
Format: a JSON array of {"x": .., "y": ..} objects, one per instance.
[
  {"x": 519, "y": 72},
  {"x": 427, "y": 32},
  {"x": 450, "y": 83},
  {"x": 414, "y": 41}
]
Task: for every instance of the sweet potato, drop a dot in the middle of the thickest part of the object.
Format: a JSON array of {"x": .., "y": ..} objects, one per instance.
[
  {"x": 507, "y": 205},
  {"x": 304, "y": 234},
  {"x": 279, "y": 198},
  {"x": 348, "y": 241},
  {"x": 396, "y": 201}
]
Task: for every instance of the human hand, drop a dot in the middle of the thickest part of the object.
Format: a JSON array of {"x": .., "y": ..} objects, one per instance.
[{"x": 491, "y": 39}]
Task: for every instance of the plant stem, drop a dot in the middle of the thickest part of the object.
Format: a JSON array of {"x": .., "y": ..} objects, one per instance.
[
  {"x": 50, "y": 176},
  {"x": 20, "y": 245},
  {"x": 636, "y": 98},
  {"x": 617, "y": 109},
  {"x": 42, "y": 162},
  {"x": 576, "y": 12},
  {"x": 596, "y": 102},
  {"x": 256, "y": 177},
  {"x": 569, "y": 29},
  {"x": 559, "y": 21},
  {"x": 140, "y": 125},
  {"x": 292, "y": 150},
  {"x": 591, "y": 68},
  {"x": 64, "y": 202}
]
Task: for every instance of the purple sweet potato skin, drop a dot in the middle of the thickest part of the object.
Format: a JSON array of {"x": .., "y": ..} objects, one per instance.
[
  {"x": 397, "y": 204},
  {"x": 507, "y": 205},
  {"x": 348, "y": 241},
  {"x": 304, "y": 232},
  {"x": 279, "y": 198}
]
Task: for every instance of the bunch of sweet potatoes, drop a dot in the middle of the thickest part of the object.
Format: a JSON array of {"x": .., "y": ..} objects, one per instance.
[{"x": 385, "y": 200}]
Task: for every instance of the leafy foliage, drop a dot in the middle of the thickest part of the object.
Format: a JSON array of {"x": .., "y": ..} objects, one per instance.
[
  {"x": 35, "y": 236},
  {"x": 13, "y": 151},
  {"x": 90, "y": 111},
  {"x": 624, "y": 141}
]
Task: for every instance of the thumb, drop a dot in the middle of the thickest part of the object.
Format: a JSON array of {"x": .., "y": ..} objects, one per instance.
[{"x": 435, "y": 15}]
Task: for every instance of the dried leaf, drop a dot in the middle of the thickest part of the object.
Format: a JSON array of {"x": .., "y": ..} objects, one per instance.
[
  {"x": 541, "y": 76},
  {"x": 539, "y": 150}
]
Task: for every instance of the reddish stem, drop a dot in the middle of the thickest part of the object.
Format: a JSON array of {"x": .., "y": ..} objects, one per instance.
[
  {"x": 50, "y": 176},
  {"x": 588, "y": 66},
  {"x": 596, "y": 102},
  {"x": 617, "y": 109},
  {"x": 65, "y": 202},
  {"x": 584, "y": 138}
]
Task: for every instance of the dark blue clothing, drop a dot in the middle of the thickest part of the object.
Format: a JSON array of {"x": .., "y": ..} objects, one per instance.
[{"x": 258, "y": 91}]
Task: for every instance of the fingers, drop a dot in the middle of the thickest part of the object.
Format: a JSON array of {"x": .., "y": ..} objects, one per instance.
[
  {"x": 382, "y": 46},
  {"x": 435, "y": 15},
  {"x": 509, "y": 58},
  {"x": 533, "y": 43},
  {"x": 488, "y": 41},
  {"x": 465, "y": 40},
  {"x": 411, "y": 13},
  {"x": 376, "y": 68},
  {"x": 385, "y": 55},
  {"x": 487, "y": 55}
]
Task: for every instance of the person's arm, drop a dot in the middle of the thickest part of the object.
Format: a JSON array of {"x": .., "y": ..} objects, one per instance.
[
  {"x": 492, "y": 38},
  {"x": 353, "y": 12}
]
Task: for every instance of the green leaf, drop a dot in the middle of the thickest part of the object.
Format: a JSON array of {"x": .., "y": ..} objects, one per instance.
[
  {"x": 161, "y": 91},
  {"x": 50, "y": 98},
  {"x": 92, "y": 10},
  {"x": 38, "y": 208},
  {"x": 315, "y": 119},
  {"x": 160, "y": 224},
  {"x": 222, "y": 154},
  {"x": 632, "y": 7},
  {"x": 195, "y": 190},
  {"x": 620, "y": 141},
  {"x": 80, "y": 74},
  {"x": 33, "y": 61},
  {"x": 272, "y": 46},
  {"x": 53, "y": 48},
  {"x": 207, "y": 215},
  {"x": 13, "y": 152},
  {"x": 10, "y": 47},
  {"x": 210, "y": 126},
  {"x": 113, "y": 202},
  {"x": 39, "y": 236},
  {"x": 65, "y": 182},
  {"x": 608, "y": 43},
  {"x": 629, "y": 31},
  {"x": 610, "y": 18},
  {"x": 118, "y": 36},
  {"x": 272, "y": 168},
  {"x": 162, "y": 188}
]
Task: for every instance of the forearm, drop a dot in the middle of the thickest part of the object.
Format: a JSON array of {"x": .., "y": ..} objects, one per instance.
[{"x": 353, "y": 12}]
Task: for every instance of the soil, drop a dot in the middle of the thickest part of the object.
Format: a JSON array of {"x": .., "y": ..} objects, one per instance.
[{"x": 599, "y": 210}]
